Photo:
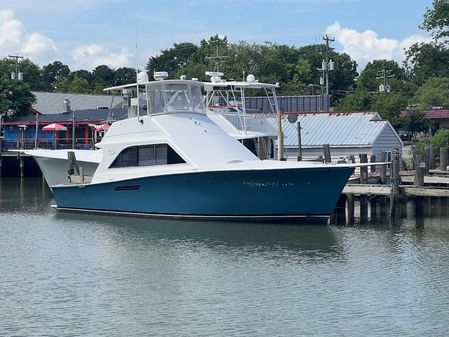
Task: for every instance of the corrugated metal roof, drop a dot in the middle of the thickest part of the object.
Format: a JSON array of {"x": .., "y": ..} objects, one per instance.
[
  {"x": 336, "y": 129},
  {"x": 87, "y": 116},
  {"x": 52, "y": 102}
]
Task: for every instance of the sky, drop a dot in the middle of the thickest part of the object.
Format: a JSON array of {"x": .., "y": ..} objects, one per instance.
[{"x": 124, "y": 33}]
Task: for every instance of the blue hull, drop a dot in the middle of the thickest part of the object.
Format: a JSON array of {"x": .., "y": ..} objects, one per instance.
[{"x": 256, "y": 195}]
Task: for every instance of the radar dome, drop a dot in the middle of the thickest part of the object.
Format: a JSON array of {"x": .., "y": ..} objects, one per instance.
[
  {"x": 142, "y": 77},
  {"x": 250, "y": 78},
  {"x": 160, "y": 75}
]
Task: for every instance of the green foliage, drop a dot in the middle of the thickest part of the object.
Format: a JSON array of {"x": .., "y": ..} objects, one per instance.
[
  {"x": 359, "y": 100},
  {"x": 172, "y": 59},
  {"x": 369, "y": 77},
  {"x": 415, "y": 121},
  {"x": 424, "y": 60},
  {"x": 440, "y": 139},
  {"x": 436, "y": 19},
  {"x": 389, "y": 106},
  {"x": 103, "y": 75},
  {"x": 15, "y": 96},
  {"x": 434, "y": 93},
  {"x": 52, "y": 72}
]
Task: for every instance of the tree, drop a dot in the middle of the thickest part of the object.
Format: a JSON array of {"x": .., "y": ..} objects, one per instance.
[
  {"x": 415, "y": 121},
  {"x": 103, "y": 75},
  {"x": 434, "y": 93},
  {"x": 436, "y": 20},
  {"x": 424, "y": 60},
  {"x": 54, "y": 71},
  {"x": 389, "y": 106},
  {"x": 368, "y": 78},
  {"x": 31, "y": 73},
  {"x": 79, "y": 85},
  {"x": 15, "y": 96},
  {"x": 124, "y": 76},
  {"x": 359, "y": 100},
  {"x": 172, "y": 59}
]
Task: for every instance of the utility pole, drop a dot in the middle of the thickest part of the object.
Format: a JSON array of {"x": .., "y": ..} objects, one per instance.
[
  {"x": 18, "y": 76},
  {"x": 383, "y": 75},
  {"x": 329, "y": 65}
]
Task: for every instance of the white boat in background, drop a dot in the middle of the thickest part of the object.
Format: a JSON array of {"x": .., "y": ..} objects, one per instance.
[
  {"x": 174, "y": 161},
  {"x": 225, "y": 105}
]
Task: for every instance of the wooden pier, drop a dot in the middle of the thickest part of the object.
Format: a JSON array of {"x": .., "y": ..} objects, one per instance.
[
  {"x": 18, "y": 164},
  {"x": 424, "y": 181}
]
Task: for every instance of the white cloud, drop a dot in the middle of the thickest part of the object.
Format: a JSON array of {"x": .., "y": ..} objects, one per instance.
[
  {"x": 10, "y": 31},
  {"x": 366, "y": 46},
  {"x": 92, "y": 55},
  {"x": 37, "y": 44},
  {"x": 14, "y": 38}
]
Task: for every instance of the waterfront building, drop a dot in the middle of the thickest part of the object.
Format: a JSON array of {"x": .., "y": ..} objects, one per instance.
[{"x": 347, "y": 133}]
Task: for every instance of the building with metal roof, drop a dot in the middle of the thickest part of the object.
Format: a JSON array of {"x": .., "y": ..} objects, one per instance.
[
  {"x": 53, "y": 102},
  {"x": 346, "y": 133}
]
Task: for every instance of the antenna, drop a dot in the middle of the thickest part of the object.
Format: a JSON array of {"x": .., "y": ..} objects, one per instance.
[
  {"x": 137, "y": 66},
  {"x": 217, "y": 59}
]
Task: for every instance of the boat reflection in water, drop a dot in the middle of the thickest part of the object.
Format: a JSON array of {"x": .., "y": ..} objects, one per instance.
[{"x": 283, "y": 241}]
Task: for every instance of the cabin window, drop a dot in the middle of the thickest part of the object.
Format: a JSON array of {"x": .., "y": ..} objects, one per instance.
[{"x": 147, "y": 155}]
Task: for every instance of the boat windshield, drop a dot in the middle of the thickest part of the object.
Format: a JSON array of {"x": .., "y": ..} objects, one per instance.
[{"x": 165, "y": 97}]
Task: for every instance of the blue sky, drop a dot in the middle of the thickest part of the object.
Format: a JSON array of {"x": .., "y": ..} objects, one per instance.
[{"x": 86, "y": 33}]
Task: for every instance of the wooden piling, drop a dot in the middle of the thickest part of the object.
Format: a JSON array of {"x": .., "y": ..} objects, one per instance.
[
  {"x": 373, "y": 160},
  {"x": 363, "y": 209},
  {"x": 364, "y": 169},
  {"x": 443, "y": 158},
  {"x": 420, "y": 171},
  {"x": 350, "y": 205},
  {"x": 383, "y": 168},
  {"x": 427, "y": 159},
  {"x": 395, "y": 182},
  {"x": 431, "y": 158},
  {"x": 327, "y": 153}
]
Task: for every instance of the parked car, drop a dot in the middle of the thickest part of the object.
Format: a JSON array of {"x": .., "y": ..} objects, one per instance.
[{"x": 405, "y": 135}]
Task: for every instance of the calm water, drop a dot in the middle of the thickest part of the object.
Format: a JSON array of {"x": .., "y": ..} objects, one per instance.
[{"x": 64, "y": 274}]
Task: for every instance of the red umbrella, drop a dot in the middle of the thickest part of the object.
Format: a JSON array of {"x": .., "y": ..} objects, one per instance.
[
  {"x": 54, "y": 127},
  {"x": 102, "y": 127}
]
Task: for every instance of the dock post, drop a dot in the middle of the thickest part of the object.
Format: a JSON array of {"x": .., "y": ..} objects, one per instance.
[
  {"x": 420, "y": 171},
  {"x": 363, "y": 209},
  {"x": 383, "y": 168},
  {"x": 395, "y": 181},
  {"x": 350, "y": 203},
  {"x": 443, "y": 158},
  {"x": 364, "y": 169},
  {"x": 373, "y": 160},
  {"x": 327, "y": 153},
  {"x": 431, "y": 158},
  {"x": 427, "y": 159}
]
